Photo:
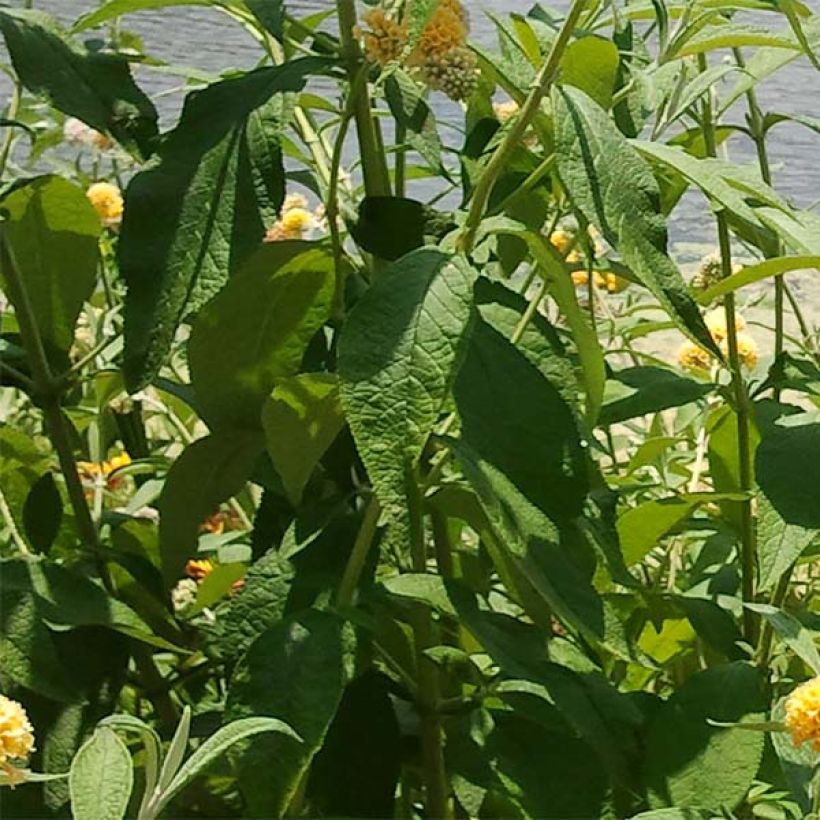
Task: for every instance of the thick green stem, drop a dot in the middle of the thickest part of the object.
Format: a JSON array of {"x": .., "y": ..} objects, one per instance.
[
  {"x": 437, "y": 792},
  {"x": 529, "y": 110},
  {"x": 374, "y": 164},
  {"x": 748, "y": 550}
]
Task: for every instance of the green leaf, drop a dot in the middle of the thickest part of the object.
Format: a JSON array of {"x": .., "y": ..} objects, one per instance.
[
  {"x": 256, "y": 329},
  {"x": 641, "y": 528},
  {"x": 750, "y": 274},
  {"x": 209, "y": 471},
  {"x": 591, "y": 64},
  {"x": 691, "y": 764},
  {"x": 731, "y": 35},
  {"x": 411, "y": 111},
  {"x": 637, "y": 391},
  {"x": 297, "y": 670},
  {"x": 398, "y": 353},
  {"x": 115, "y": 8},
  {"x": 96, "y": 87},
  {"x": 217, "y": 585},
  {"x": 502, "y": 308},
  {"x": 538, "y": 447},
  {"x": 729, "y": 186},
  {"x": 43, "y": 513},
  {"x": 389, "y": 227},
  {"x": 779, "y": 544},
  {"x": 215, "y": 746},
  {"x": 151, "y": 744},
  {"x": 787, "y": 465},
  {"x": 526, "y": 550},
  {"x": 356, "y": 772},
  {"x": 52, "y": 233},
  {"x": 270, "y": 13},
  {"x": 175, "y": 754},
  {"x": 258, "y": 605},
  {"x": 301, "y": 419},
  {"x": 101, "y": 778},
  {"x": 194, "y": 216},
  {"x": 28, "y": 655},
  {"x": 799, "y": 639},
  {"x": 609, "y": 182}
]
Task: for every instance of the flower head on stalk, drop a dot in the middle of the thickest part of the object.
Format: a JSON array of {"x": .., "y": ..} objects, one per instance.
[
  {"x": 107, "y": 201},
  {"x": 803, "y": 714},
  {"x": 16, "y": 739}
]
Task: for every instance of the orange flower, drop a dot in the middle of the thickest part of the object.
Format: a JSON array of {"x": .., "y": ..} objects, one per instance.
[
  {"x": 16, "y": 738},
  {"x": 107, "y": 201}
]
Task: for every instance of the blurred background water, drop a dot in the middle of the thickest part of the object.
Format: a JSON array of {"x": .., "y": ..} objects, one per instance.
[{"x": 208, "y": 40}]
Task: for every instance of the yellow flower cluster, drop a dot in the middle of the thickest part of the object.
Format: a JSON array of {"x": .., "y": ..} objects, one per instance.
[
  {"x": 803, "y": 714},
  {"x": 385, "y": 38},
  {"x": 16, "y": 737},
  {"x": 604, "y": 280},
  {"x": 296, "y": 220},
  {"x": 441, "y": 57},
  {"x": 691, "y": 355},
  {"x": 107, "y": 201}
]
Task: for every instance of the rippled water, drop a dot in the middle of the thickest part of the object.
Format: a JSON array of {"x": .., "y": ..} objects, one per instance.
[{"x": 208, "y": 40}]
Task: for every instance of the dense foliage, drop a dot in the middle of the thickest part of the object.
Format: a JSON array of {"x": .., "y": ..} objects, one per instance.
[{"x": 355, "y": 464}]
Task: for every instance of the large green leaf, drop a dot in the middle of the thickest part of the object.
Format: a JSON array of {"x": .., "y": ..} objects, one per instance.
[
  {"x": 256, "y": 329},
  {"x": 216, "y": 746},
  {"x": 209, "y": 471},
  {"x": 779, "y": 544},
  {"x": 502, "y": 308},
  {"x": 637, "y": 391},
  {"x": 296, "y": 670},
  {"x": 693, "y": 764},
  {"x": 356, "y": 771},
  {"x": 398, "y": 353},
  {"x": 94, "y": 86},
  {"x": 538, "y": 447},
  {"x": 258, "y": 606},
  {"x": 614, "y": 188},
  {"x": 301, "y": 419},
  {"x": 532, "y": 562},
  {"x": 101, "y": 778},
  {"x": 196, "y": 214},
  {"x": 641, "y": 528},
  {"x": 788, "y": 471},
  {"x": 591, "y": 64},
  {"x": 52, "y": 234}
]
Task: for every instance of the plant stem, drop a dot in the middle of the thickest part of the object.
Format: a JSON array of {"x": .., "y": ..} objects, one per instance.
[
  {"x": 11, "y": 524},
  {"x": 374, "y": 164},
  {"x": 8, "y": 142},
  {"x": 437, "y": 798},
  {"x": 764, "y": 646},
  {"x": 358, "y": 555},
  {"x": 742, "y": 410},
  {"x": 48, "y": 395},
  {"x": 758, "y": 132},
  {"x": 532, "y": 104}
]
